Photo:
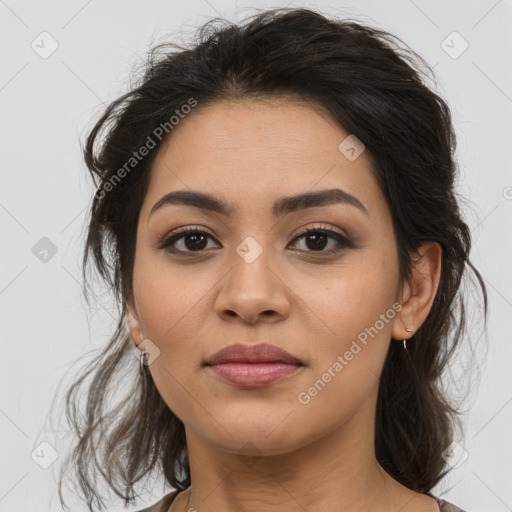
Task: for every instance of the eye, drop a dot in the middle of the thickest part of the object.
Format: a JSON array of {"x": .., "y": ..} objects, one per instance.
[
  {"x": 190, "y": 239},
  {"x": 317, "y": 239},
  {"x": 193, "y": 240}
]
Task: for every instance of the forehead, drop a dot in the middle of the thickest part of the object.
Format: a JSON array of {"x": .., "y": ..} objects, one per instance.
[{"x": 250, "y": 152}]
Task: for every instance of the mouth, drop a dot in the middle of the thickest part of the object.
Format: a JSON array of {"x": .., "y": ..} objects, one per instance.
[
  {"x": 261, "y": 353},
  {"x": 252, "y": 365},
  {"x": 253, "y": 375}
]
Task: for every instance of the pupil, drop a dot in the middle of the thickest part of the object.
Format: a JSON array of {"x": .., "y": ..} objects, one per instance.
[
  {"x": 194, "y": 245},
  {"x": 314, "y": 237}
]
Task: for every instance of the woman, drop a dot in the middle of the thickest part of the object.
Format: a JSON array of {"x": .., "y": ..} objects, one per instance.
[{"x": 276, "y": 214}]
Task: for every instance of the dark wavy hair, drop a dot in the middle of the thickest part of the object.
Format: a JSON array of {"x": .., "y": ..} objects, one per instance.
[{"x": 375, "y": 87}]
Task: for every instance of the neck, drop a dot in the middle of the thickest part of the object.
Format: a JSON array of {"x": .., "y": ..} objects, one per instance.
[{"x": 338, "y": 472}]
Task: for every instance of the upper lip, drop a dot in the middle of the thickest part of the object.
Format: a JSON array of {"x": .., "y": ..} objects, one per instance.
[{"x": 262, "y": 353}]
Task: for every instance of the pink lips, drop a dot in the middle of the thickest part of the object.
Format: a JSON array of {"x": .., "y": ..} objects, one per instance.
[{"x": 253, "y": 365}]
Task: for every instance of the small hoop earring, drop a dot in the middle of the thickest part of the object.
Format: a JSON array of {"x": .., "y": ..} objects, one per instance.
[
  {"x": 143, "y": 360},
  {"x": 405, "y": 341}
]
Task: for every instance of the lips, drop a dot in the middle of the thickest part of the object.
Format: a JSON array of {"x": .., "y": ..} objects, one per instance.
[
  {"x": 262, "y": 353},
  {"x": 253, "y": 366}
]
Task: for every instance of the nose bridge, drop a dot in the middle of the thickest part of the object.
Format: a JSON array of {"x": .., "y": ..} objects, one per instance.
[
  {"x": 251, "y": 287},
  {"x": 251, "y": 265}
]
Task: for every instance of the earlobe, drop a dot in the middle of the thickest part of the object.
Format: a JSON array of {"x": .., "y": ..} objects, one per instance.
[
  {"x": 420, "y": 292},
  {"x": 134, "y": 325}
]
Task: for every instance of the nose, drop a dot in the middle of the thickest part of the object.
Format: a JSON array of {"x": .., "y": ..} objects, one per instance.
[{"x": 253, "y": 292}]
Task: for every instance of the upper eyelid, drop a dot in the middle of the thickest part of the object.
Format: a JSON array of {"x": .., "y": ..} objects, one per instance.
[
  {"x": 324, "y": 227},
  {"x": 301, "y": 231}
]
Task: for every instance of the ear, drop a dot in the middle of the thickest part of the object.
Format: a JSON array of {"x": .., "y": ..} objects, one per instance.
[
  {"x": 134, "y": 324},
  {"x": 419, "y": 294}
]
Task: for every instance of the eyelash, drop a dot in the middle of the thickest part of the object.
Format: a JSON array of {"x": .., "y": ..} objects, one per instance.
[{"x": 167, "y": 240}]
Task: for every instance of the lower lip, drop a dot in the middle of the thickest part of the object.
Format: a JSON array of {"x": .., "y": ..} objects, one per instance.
[{"x": 253, "y": 374}]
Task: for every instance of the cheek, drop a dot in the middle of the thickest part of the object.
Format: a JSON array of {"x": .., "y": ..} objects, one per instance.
[
  {"x": 351, "y": 297},
  {"x": 346, "y": 371},
  {"x": 171, "y": 306},
  {"x": 168, "y": 299},
  {"x": 170, "y": 311},
  {"x": 355, "y": 308}
]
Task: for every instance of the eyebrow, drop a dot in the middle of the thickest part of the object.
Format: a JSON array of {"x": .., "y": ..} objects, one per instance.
[{"x": 281, "y": 207}]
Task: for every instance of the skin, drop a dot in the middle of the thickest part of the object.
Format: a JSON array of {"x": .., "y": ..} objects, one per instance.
[{"x": 314, "y": 456}]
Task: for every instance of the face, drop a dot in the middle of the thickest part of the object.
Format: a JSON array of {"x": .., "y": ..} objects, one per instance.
[{"x": 317, "y": 279}]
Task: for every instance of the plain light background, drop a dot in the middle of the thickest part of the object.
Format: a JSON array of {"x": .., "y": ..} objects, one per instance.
[{"x": 48, "y": 104}]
